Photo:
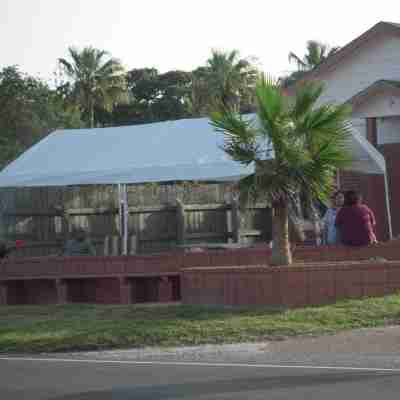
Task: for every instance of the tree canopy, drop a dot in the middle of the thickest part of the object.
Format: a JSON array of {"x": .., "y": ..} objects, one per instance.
[
  {"x": 316, "y": 53},
  {"x": 29, "y": 110},
  {"x": 95, "y": 80}
]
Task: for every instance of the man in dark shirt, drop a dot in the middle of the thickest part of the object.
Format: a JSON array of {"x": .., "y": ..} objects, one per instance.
[
  {"x": 79, "y": 245},
  {"x": 355, "y": 221}
]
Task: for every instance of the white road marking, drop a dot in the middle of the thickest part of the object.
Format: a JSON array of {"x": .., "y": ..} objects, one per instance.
[{"x": 197, "y": 364}]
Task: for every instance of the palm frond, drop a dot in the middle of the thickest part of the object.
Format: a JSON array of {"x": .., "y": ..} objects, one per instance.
[
  {"x": 306, "y": 98},
  {"x": 240, "y": 135},
  {"x": 294, "y": 58}
]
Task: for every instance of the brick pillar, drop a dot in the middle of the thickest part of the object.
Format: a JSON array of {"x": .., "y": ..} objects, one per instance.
[
  {"x": 3, "y": 294},
  {"x": 164, "y": 290},
  {"x": 125, "y": 290},
  {"x": 62, "y": 291}
]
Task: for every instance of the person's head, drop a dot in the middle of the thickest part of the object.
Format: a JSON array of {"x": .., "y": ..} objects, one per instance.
[
  {"x": 352, "y": 198},
  {"x": 79, "y": 234},
  {"x": 337, "y": 198}
]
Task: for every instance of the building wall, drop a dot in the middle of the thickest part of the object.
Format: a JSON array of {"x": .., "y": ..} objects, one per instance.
[
  {"x": 388, "y": 130},
  {"x": 392, "y": 156},
  {"x": 360, "y": 125},
  {"x": 377, "y": 59},
  {"x": 380, "y": 104}
]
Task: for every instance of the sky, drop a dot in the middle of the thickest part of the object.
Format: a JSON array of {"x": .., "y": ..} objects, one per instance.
[{"x": 179, "y": 34}]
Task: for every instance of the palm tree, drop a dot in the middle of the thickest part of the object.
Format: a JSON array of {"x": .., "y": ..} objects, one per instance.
[
  {"x": 316, "y": 53},
  {"x": 229, "y": 79},
  {"x": 97, "y": 80},
  {"x": 295, "y": 146}
]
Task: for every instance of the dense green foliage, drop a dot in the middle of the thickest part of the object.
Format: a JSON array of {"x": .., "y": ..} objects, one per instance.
[{"x": 29, "y": 110}]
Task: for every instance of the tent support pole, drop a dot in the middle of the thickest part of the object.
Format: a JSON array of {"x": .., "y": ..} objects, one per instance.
[
  {"x": 389, "y": 211},
  {"x": 125, "y": 219}
]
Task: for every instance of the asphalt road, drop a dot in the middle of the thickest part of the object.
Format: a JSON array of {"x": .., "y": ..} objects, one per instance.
[{"x": 96, "y": 379}]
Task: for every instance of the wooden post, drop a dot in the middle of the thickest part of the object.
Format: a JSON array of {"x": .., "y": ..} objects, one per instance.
[
  {"x": 107, "y": 250},
  {"x": 181, "y": 223},
  {"x": 229, "y": 227},
  {"x": 115, "y": 251},
  {"x": 3, "y": 294},
  {"x": 235, "y": 222},
  {"x": 125, "y": 289},
  {"x": 62, "y": 291},
  {"x": 164, "y": 289},
  {"x": 134, "y": 245}
]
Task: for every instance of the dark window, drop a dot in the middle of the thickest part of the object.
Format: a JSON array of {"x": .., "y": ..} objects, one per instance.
[{"x": 372, "y": 135}]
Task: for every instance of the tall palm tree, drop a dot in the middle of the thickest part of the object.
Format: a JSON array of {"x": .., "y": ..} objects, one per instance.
[
  {"x": 315, "y": 54},
  {"x": 230, "y": 79},
  {"x": 97, "y": 80},
  {"x": 295, "y": 147}
]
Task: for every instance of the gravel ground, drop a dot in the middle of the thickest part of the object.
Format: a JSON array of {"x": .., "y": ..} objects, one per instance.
[{"x": 372, "y": 348}]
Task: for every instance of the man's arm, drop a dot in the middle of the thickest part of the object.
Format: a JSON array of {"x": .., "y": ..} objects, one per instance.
[
  {"x": 339, "y": 218},
  {"x": 372, "y": 217}
]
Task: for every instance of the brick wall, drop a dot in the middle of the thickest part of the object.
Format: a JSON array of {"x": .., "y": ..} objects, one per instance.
[
  {"x": 135, "y": 279},
  {"x": 387, "y": 250},
  {"x": 151, "y": 265},
  {"x": 289, "y": 286},
  {"x": 130, "y": 279},
  {"x": 36, "y": 291}
]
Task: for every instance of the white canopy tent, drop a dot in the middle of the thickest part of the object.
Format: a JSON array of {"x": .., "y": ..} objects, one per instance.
[{"x": 187, "y": 149}]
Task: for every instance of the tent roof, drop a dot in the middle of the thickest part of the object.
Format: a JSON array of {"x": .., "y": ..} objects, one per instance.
[{"x": 187, "y": 149}]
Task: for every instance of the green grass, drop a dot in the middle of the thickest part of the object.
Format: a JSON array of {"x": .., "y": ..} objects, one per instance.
[{"x": 85, "y": 327}]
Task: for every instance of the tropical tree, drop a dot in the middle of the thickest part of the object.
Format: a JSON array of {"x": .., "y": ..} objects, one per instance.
[
  {"x": 316, "y": 53},
  {"x": 95, "y": 80},
  {"x": 295, "y": 147},
  {"x": 227, "y": 79},
  {"x": 153, "y": 97},
  {"x": 29, "y": 110}
]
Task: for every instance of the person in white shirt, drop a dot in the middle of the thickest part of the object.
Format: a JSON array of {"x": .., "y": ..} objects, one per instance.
[{"x": 331, "y": 235}]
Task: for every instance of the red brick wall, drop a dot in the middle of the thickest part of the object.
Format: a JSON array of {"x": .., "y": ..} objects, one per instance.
[
  {"x": 388, "y": 250},
  {"x": 35, "y": 291},
  {"x": 289, "y": 286},
  {"x": 146, "y": 278},
  {"x": 140, "y": 266}
]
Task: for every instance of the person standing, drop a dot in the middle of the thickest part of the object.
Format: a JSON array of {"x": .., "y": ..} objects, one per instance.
[
  {"x": 331, "y": 235},
  {"x": 79, "y": 244},
  {"x": 356, "y": 221}
]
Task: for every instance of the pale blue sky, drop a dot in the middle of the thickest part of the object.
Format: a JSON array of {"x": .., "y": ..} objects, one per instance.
[{"x": 179, "y": 34}]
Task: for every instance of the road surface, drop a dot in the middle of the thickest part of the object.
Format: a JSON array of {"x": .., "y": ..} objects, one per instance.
[{"x": 97, "y": 379}]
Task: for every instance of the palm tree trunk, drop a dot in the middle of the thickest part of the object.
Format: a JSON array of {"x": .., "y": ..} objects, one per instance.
[
  {"x": 281, "y": 253},
  {"x": 91, "y": 115}
]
